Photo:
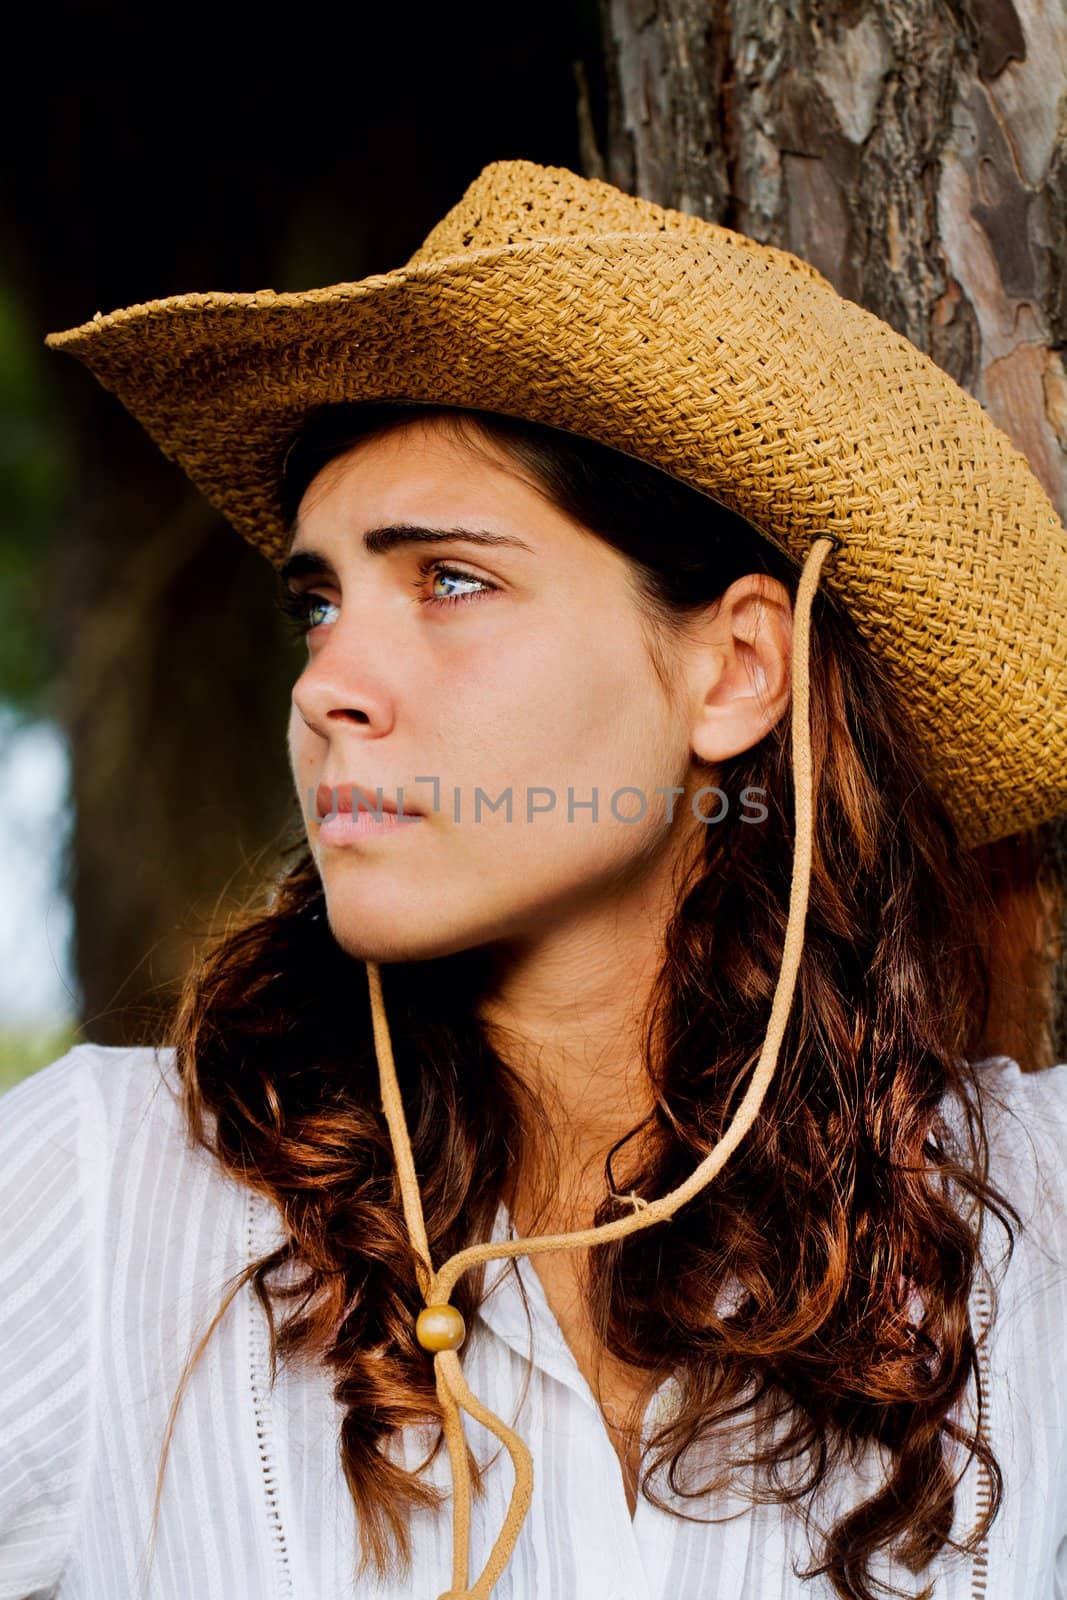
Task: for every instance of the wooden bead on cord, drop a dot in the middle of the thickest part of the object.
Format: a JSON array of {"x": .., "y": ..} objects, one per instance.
[{"x": 440, "y": 1328}]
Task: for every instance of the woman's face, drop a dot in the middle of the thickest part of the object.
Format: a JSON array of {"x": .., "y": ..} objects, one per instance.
[{"x": 539, "y": 686}]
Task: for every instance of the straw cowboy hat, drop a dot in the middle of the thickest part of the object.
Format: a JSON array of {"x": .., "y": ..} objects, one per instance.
[{"x": 733, "y": 366}]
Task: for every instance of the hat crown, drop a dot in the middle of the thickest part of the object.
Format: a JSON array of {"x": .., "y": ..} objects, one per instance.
[{"x": 521, "y": 202}]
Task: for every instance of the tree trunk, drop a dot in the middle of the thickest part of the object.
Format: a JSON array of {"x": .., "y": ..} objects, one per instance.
[
  {"x": 915, "y": 151},
  {"x": 174, "y": 700}
]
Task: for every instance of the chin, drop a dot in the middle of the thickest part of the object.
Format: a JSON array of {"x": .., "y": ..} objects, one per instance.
[{"x": 375, "y": 935}]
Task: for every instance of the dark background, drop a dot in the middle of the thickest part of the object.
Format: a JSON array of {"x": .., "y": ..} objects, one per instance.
[{"x": 156, "y": 153}]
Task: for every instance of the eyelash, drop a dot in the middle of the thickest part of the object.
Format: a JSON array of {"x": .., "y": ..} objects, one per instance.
[{"x": 296, "y": 607}]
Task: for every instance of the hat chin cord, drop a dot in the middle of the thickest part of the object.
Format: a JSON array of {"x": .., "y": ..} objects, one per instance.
[{"x": 440, "y": 1326}]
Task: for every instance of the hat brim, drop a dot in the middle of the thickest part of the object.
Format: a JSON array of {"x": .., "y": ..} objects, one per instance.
[{"x": 762, "y": 387}]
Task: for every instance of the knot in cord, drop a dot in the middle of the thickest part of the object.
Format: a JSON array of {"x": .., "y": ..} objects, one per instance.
[{"x": 636, "y": 1200}]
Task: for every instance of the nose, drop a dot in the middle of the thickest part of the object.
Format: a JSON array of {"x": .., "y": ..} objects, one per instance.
[{"x": 343, "y": 682}]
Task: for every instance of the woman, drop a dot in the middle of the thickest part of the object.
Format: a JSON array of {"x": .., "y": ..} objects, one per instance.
[{"x": 673, "y": 934}]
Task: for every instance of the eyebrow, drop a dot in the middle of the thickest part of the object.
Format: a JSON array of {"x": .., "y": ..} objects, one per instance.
[{"x": 380, "y": 541}]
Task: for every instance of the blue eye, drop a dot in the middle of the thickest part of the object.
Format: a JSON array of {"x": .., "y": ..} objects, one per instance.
[
  {"x": 299, "y": 608},
  {"x": 441, "y": 570}
]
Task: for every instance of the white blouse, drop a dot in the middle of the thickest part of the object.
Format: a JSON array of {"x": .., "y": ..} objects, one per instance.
[{"x": 117, "y": 1235}]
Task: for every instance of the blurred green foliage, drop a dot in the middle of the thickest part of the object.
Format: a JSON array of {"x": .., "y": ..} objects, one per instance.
[{"x": 24, "y": 1050}]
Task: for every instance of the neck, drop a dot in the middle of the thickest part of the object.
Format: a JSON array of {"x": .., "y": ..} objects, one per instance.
[{"x": 567, "y": 1012}]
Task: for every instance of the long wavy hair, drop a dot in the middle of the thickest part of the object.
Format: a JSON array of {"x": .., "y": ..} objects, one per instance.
[{"x": 845, "y": 1230}]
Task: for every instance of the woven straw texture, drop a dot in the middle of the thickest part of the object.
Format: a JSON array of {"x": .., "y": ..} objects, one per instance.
[{"x": 727, "y": 363}]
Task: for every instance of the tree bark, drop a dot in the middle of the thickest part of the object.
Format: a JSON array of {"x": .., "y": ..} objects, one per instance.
[
  {"x": 174, "y": 699},
  {"x": 915, "y": 151}
]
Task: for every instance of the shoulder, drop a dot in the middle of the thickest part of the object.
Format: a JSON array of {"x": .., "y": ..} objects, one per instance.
[
  {"x": 96, "y": 1113},
  {"x": 59, "y": 1130},
  {"x": 1044, "y": 1092},
  {"x": 115, "y": 1083},
  {"x": 1025, "y": 1116},
  {"x": 116, "y": 1229},
  {"x": 96, "y": 1154},
  {"x": 1024, "y": 1359},
  {"x": 60, "y": 1127}
]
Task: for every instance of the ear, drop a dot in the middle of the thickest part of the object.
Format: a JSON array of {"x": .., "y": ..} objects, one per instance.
[{"x": 739, "y": 667}]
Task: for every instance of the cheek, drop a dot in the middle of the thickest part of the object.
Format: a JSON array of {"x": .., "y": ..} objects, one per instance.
[
  {"x": 569, "y": 735},
  {"x": 604, "y": 718},
  {"x": 306, "y": 752},
  {"x": 304, "y": 746}
]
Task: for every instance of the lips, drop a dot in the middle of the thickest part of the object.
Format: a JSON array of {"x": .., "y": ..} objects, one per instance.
[{"x": 339, "y": 797}]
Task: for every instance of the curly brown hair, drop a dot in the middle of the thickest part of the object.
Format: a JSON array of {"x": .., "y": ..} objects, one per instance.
[{"x": 862, "y": 1182}]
